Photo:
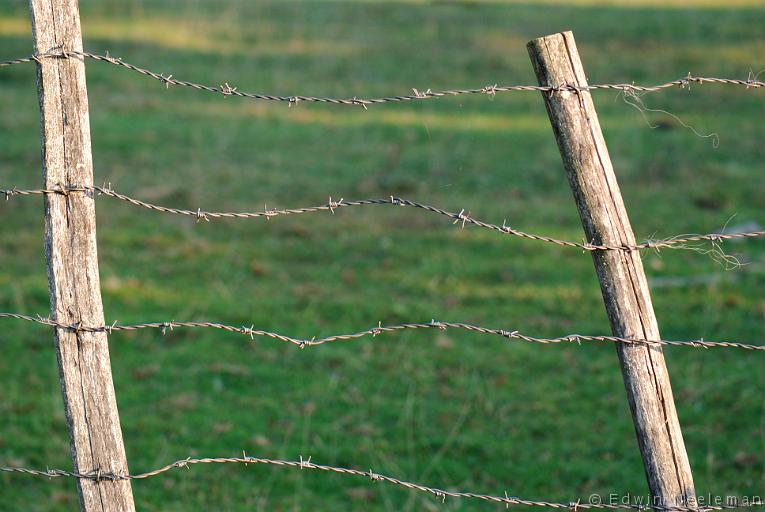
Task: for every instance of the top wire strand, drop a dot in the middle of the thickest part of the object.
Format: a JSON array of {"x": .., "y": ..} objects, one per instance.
[{"x": 228, "y": 90}]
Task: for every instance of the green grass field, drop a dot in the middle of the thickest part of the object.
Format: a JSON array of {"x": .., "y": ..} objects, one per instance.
[{"x": 448, "y": 409}]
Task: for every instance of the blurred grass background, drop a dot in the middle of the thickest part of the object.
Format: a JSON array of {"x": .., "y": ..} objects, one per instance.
[{"x": 449, "y": 409}]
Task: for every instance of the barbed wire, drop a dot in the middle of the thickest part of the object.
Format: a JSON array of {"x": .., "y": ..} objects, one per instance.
[
  {"x": 442, "y": 494},
  {"x": 375, "y": 331},
  {"x": 678, "y": 241},
  {"x": 227, "y": 90}
]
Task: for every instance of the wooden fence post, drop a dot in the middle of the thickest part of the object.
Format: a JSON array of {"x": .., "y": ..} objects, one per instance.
[
  {"x": 70, "y": 247},
  {"x": 622, "y": 279}
]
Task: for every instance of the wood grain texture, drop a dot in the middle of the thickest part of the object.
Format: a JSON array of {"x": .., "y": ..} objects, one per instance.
[
  {"x": 622, "y": 279},
  {"x": 70, "y": 247}
]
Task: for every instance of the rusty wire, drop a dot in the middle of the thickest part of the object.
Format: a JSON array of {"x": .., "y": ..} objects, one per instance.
[
  {"x": 442, "y": 494},
  {"x": 375, "y": 331},
  {"x": 227, "y": 90},
  {"x": 678, "y": 241}
]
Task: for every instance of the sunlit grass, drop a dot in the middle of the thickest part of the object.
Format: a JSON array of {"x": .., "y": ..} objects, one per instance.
[{"x": 174, "y": 34}]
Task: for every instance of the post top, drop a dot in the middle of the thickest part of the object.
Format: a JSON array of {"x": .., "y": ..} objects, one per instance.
[{"x": 566, "y": 34}]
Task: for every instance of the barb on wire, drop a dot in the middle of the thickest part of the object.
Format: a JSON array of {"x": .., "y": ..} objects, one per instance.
[
  {"x": 460, "y": 218},
  {"x": 490, "y": 90},
  {"x": 377, "y": 330},
  {"x": 302, "y": 464}
]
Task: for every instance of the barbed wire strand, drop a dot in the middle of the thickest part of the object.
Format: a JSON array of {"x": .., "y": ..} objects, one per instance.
[
  {"x": 375, "y": 331},
  {"x": 441, "y": 494},
  {"x": 227, "y": 90},
  {"x": 678, "y": 241}
]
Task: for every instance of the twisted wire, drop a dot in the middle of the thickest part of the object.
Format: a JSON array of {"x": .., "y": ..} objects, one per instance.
[
  {"x": 227, "y": 90},
  {"x": 375, "y": 331},
  {"x": 678, "y": 241},
  {"x": 442, "y": 494}
]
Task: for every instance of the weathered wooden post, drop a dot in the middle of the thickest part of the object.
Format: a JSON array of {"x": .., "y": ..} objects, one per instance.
[
  {"x": 70, "y": 248},
  {"x": 622, "y": 279}
]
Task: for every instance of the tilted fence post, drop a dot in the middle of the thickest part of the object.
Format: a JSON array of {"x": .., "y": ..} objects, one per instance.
[
  {"x": 622, "y": 279},
  {"x": 70, "y": 248}
]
